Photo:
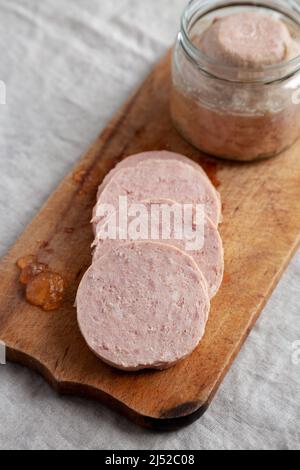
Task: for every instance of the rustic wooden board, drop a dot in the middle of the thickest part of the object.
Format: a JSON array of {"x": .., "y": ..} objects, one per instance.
[{"x": 261, "y": 230}]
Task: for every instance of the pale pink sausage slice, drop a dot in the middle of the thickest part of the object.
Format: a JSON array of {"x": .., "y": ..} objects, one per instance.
[
  {"x": 143, "y": 306},
  {"x": 209, "y": 256},
  {"x": 167, "y": 179},
  {"x": 134, "y": 160},
  {"x": 247, "y": 40}
]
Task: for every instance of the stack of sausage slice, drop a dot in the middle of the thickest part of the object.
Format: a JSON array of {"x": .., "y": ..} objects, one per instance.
[{"x": 144, "y": 304}]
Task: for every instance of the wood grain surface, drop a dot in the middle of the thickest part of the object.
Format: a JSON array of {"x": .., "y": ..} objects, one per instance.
[{"x": 261, "y": 231}]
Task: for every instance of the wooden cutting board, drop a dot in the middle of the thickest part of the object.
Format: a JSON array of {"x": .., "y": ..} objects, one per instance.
[{"x": 261, "y": 231}]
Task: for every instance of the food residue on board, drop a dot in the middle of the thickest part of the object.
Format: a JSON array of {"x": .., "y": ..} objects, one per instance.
[
  {"x": 211, "y": 169},
  {"x": 44, "y": 288}
]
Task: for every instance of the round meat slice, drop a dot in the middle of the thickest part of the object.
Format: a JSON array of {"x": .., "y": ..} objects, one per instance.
[
  {"x": 167, "y": 179},
  {"x": 166, "y": 221},
  {"x": 143, "y": 306},
  {"x": 247, "y": 39},
  {"x": 134, "y": 160}
]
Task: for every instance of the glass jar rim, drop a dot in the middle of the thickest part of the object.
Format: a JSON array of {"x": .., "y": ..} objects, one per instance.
[{"x": 197, "y": 9}]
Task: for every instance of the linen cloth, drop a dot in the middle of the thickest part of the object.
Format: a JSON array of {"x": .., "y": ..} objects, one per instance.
[{"x": 68, "y": 66}]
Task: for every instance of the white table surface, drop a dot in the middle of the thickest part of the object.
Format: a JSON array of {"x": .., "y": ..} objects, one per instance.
[{"x": 68, "y": 66}]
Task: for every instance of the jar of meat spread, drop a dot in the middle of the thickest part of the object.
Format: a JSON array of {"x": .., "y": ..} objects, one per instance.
[{"x": 236, "y": 77}]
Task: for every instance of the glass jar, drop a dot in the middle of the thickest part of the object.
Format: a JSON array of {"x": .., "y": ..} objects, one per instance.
[{"x": 228, "y": 111}]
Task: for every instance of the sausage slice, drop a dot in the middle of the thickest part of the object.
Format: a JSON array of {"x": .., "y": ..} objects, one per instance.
[
  {"x": 207, "y": 249},
  {"x": 166, "y": 179},
  {"x": 143, "y": 306}
]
